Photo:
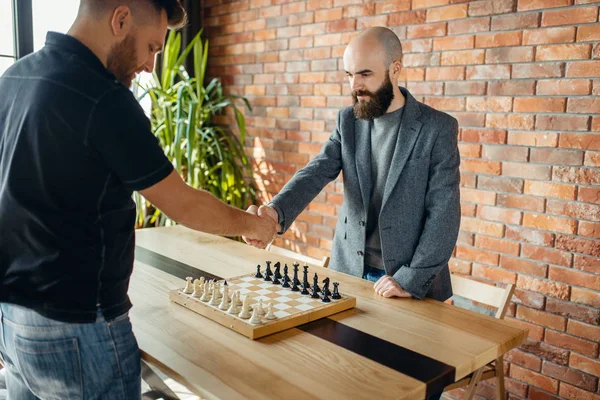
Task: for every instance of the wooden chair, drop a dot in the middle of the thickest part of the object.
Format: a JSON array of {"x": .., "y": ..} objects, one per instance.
[
  {"x": 324, "y": 262},
  {"x": 491, "y": 296}
]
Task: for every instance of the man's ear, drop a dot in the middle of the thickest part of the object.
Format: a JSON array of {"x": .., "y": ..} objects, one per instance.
[
  {"x": 395, "y": 69},
  {"x": 121, "y": 21}
]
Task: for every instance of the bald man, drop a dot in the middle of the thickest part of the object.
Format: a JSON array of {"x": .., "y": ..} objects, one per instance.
[{"x": 401, "y": 213}]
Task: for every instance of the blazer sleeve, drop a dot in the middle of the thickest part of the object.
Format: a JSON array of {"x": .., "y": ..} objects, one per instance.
[
  {"x": 442, "y": 222},
  {"x": 308, "y": 182}
]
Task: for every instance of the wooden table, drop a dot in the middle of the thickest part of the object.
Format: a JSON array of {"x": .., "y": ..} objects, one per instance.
[{"x": 382, "y": 349}]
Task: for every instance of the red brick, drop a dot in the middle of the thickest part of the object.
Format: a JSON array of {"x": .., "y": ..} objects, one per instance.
[
  {"x": 526, "y": 5},
  {"x": 547, "y": 189},
  {"x": 585, "y": 364},
  {"x": 341, "y": 25},
  {"x": 484, "y": 135},
  {"x": 575, "y": 278},
  {"x": 445, "y": 73},
  {"x": 583, "y": 69},
  {"x": 499, "y": 214},
  {"x": 584, "y": 296},
  {"x": 312, "y": 77},
  {"x": 471, "y": 25},
  {"x": 421, "y": 59},
  {"x": 592, "y": 159},
  {"x": 515, "y": 21},
  {"x": 587, "y": 331},
  {"x": 293, "y": 8},
  {"x": 446, "y": 103},
  {"x": 363, "y": 23},
  {"x": 318, "y": 4},
  {"x": 548, "y": 255},
  {"x": 490, "y": 7},
  {"x": 574, "y": 210},
  {"x": 473, "y": 254},
  {"x": 492, "y": 104},
  {"x": 563, "y": 52},
  {"x": 549, "y": 223},
  {"x": 523, "y": 266},
  {"x": 530, "y": 236},
  {"x": 483, "y": 227},
  {"x": 537, "y": 70},
  {"x": 549, "y": 288},
  {"x": 456, "y": 11},
  {"x": 536, "y": 332},
  {"x": 500, "y": 184},
  {"x": 571, "y": 392},
  {"x": 468, "y": 180},
  {"x": 505, "y": 153},
  {"x": 509, "y": 121},
  {"x": 459, "y": 266},
  {"x": 481, "y": 167},
  {"x": 503, "y": 39},
  {"x": 328, "y": 40},
  {"x": 463, "y": 57},
  {"x": 564, "y": 87},
  {"x": 573, "y": 16},
  {"x": 511, "y": 88},
  {"x": 509, "y": 55},
  {"x": 579, "y": 245},
  {"x": 527, "y": 171},
  {"x": 464, "y": 88},
  {"x": 546, "y": 351},
  {"x": 529, "y": 361},
  {"x": 428, "y": 3},
  {"x": 589, "y": 105},
  {"x": 585, "y": 176},
  {"x": 425, "y": 31},
  {"x": 391, "y": 6},
  {"x": 565, "y": 374},
  {"x": 494, "y": 274},
  {"x": 595, "y": 124},
  {"x": 358, "y": 11},
  {"x": 304, "y": 18},
  {"x": 587, "y": 33},
  {"x": 425, "y": 88},
  {"x": 562, "y": 122},
  {"x": 585, "y": 263},
  {"x": 534, "y": 379},
  {"x": 498, "y": 245},
  {"x": 488, "y": 72},
  {"x": 539, "y": 104},
  {"x": 453, "y": 43},
  {"x": 478, "y": 196},
  {"x": 589, "y": 229}
]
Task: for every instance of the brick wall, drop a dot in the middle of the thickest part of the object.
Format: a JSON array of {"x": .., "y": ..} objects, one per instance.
[{"x": 523, "y": 79}]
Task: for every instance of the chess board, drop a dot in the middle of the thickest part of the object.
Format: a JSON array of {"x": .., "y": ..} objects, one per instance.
[{"x": 290, "y": 308}]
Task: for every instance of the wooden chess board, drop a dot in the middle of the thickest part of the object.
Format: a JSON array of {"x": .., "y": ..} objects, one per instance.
[{"x": 290, "y": 308}]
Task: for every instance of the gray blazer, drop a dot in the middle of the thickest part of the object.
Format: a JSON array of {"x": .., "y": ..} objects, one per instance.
[{"x": 420, "y": 213}]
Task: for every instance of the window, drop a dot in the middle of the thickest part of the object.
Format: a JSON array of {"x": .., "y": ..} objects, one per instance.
[
  {"x": 46, "y": 17},
  {"x": 7, "y": 42}
]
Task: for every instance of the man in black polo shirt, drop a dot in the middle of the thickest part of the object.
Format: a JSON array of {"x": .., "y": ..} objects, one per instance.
[{"x": 74, "y": 145}]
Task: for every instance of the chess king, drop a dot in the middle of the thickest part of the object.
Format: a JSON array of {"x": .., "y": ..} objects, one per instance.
[{"x": 400, "y": 218}]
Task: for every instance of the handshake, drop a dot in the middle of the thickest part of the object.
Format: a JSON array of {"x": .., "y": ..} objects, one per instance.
[{"x": 266, "y": 228}]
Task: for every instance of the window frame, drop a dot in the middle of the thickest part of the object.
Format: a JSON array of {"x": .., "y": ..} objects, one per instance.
[{"x": 22, "y": 28}]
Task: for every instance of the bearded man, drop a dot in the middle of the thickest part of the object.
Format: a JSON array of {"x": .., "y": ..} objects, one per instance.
[
  {"x": 74, "y": 145},
  {"x": 401, "y": 213}
]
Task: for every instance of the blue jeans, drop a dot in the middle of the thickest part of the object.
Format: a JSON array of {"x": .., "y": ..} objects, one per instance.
[
  {"x": 373, "y": 275},
  {"x": 54, "y": 360}
]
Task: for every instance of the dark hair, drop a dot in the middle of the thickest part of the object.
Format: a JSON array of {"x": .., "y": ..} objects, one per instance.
[{"x": 176, "y": 14}]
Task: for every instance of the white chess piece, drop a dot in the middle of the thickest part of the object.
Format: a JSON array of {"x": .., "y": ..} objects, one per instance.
[
  {"x": 214, "y": 301},
  {"x": 225, "y": 301},
  {"x": 239, "y": 299},
  {"x": 255, "y": 316},
  {"x": 270, "y": 314},
  {"x": 233, "y": 308},
  {"x": 261, "y": 310},
  {"x": 206, "y": 294},
  {"x": 245, "y": 313},
  {"x": 189, "y": 289},
  {"x": 198, "y": 289}
]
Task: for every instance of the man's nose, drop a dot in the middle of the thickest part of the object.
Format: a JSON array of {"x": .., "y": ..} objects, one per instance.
[{"x": 149, "y": 66}]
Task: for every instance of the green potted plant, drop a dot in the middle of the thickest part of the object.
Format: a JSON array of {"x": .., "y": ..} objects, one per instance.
[{"x": 207, "y": 156}]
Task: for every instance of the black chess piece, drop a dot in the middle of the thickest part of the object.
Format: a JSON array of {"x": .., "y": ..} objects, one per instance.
[
  {"x": 325, "y": 298},
  {"x": 225, "y": 283},
  {"x": 276, "y": 274},
  {"x": 295, "y": 278},
  {"x": 258, "y": 274},
  {"x": 268, "y": 272},
  {"x": 305, "y": 277},
  {"x": 304, "y": 288},
  {"x": 326, "y": 291},
  {"x": 295, "y": 287},
  {"x": 286, "y": 278},
  {"x": 316, "y": 283},
  {"x": 314, "y": 293},
  {"x": 336, "y": 294}
]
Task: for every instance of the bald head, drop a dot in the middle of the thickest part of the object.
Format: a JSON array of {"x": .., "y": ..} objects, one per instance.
[{"x": 381, "y": 40}]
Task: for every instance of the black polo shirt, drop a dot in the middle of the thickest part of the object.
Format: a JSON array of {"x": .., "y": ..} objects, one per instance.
[{"x": 74, "y": 145}]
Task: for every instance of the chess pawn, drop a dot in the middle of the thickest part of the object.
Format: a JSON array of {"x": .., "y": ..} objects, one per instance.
[
  {"x": 189, "y": 288},
  {"x": 225, "y": 300},
  {"x": 259, "y": 305},
  {"x": 238, "y": 299},
  {"x": 245, "y": 313},
  {"x": 270, "y": 314},
  {"x": 214, "y": 301},
  {"x": 206, "y": 294},
  {"x": 233, "y": 308},
  {"x": 255, "y": 316}
]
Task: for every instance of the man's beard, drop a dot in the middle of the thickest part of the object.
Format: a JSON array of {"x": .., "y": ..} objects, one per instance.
[
  {"x": 121, "y": 60},
  {"x": 378, "y": 103}
]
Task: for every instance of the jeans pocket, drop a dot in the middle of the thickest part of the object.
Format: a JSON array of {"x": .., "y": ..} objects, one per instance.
[{"x": 51, "y": 368}]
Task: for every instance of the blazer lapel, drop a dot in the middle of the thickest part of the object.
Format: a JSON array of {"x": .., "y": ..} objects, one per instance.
[
  {"x": 362, "y": 131},
  {"x": 407, "y": 136}
]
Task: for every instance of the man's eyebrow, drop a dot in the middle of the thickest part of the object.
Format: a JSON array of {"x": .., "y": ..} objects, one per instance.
[
  {"x": 158, "y": 45},
  {"x": 362, "y": 71}
]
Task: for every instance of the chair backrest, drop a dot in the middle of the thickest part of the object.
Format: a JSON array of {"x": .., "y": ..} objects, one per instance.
[
  {"x": 482, "y": 293},
  {"x": 297, "y": 256}
]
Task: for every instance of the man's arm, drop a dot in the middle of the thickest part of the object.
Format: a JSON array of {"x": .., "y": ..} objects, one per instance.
[
  {"x": 200, "y": 210},
  {"x": 442, "y": 223}
]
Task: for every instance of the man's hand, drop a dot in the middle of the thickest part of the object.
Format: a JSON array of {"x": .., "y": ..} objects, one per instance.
[
  {"x": 268, "y": 214},
  {"x": 387, "y": 286}
]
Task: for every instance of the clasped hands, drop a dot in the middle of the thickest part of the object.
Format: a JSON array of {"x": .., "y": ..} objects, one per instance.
[{"x": 262, "y": 239}]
